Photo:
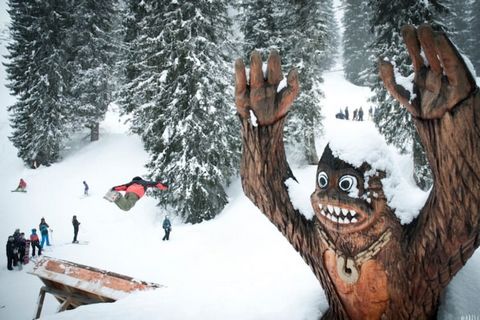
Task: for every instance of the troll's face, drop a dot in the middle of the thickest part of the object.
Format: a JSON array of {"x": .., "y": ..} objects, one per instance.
[{"x": 342, "y": 202}]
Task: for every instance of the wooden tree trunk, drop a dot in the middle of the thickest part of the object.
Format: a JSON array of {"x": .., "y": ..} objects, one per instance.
[{"x": 94, "y": 132}]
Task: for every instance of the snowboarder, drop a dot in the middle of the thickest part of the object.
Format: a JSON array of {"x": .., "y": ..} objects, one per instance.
[
  {"x": 35, "y": 241},
  {"x": 167, "y": 226},
  {"x": 22, "y": 186},
  {"x": 11, "y": 253},
  {"x": 360, "y": 114},
  {"x": 346, "y": 113},
  {"x": 43, "y": 226},
  {"x": 85, "y": 190},
  {"x": 76, "y": 224},
  {"x": 134, "y": 190}
]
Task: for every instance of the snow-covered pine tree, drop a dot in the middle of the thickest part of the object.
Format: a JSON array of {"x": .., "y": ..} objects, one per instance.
[
  {"x": 459, "y": 21},
  {"x": 356, "y": 40},
  {"x": 393, "y": 121},
  {"x": 307, "y": 44},
  {"x": 475, "y": 34},
  {"x": 93, "y": 48},
  {"x": 37, "y": 76},
  {"x": 258, "y": 26},
  {"x": 186, "y": 115},
  {"x": 303, "y": 33},
  {"x": 129, "y": 66}
]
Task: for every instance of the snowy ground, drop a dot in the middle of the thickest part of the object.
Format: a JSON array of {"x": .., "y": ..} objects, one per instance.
[{"x": 237, "y": 266}]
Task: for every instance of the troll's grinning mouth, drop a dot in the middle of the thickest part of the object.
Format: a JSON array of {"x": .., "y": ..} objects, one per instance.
[{"x": 339, "y": 215}]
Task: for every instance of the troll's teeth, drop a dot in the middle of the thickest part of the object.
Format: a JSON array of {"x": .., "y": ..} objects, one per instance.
[{"x": 337, "y": 210}]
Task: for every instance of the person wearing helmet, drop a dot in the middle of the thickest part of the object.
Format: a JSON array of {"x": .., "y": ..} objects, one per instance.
[
  {"x": 134, "y": 190},
  {"x": 35, "y": 242}
]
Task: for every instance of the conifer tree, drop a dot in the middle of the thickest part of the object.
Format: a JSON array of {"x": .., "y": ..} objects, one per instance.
[
  {"x": 129, "y": 65},
  {"x": 303, "y": 32},
  {"x": 259, "y": 26},
  {"x": 37, "y": 74},
  {"x": 185, "y": 113},
  {"x": 307, "y": 43},
  {"x": 93, "y": 49},
  {"x": 475, "y": 35},
  {"x": 393, "y": 120},
  {"x": 459, "y": 20},
  {"x": 356, "y": 40}
]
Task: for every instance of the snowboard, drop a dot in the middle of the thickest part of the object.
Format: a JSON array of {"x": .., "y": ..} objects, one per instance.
[
  {"x": 26, "y": 257},
  {"x": 112, "y": 195},
  {"x": 19, "y": 190}
]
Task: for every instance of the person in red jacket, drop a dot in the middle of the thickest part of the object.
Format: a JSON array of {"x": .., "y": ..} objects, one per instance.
[
  {"x": 134, "y": 190},
  {"x": 35, "y": 242},
  {"x": 22, "y": 186}
]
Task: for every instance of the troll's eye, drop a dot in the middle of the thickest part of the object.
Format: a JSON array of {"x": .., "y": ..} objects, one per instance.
[
  {"x": 347, "y": 182},
  {"x": 322, "y": 179}
]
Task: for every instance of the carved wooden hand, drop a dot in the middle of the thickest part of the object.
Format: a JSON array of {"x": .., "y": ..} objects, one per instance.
[
  {"x": 261, "y": 96},
  {"x": 441, "y": 85}
]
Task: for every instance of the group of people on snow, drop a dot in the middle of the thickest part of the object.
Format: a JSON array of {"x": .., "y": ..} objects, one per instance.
[
  {"x": 357, "y": 114},
  {"x": 17, "y": 248},
  {"x": 134, "y": 190}
]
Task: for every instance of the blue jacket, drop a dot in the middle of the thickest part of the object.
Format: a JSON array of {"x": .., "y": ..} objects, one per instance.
[{"x": 166, "y": 224}]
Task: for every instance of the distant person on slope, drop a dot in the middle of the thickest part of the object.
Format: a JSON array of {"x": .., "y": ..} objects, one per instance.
[
  {"x": 85, "y": 190},
  {"x": 43, "y": 226},
  {"x": 76, "y": 225},
  {"x": 134, "y": 190},
  {"x": 167, "y": 226},
  {"x": 22, "y": 186}
]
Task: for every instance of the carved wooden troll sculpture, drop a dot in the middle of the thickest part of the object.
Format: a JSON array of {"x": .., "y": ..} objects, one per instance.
[{"x": 371, "y": 266}]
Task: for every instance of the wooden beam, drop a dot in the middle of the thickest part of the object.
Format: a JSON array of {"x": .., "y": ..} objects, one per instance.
[{"x": 41, "y": 298}]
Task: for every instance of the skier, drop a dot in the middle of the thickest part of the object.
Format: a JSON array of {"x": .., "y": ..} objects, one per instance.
[
  {"x": 346, "y": 112},
  {"x": 354, "y": 114},
  {"x": 35, "y": 241},
  {"x": 167, "y": 226},
  {"x": 76, "y": 224},
  {"x": 11, "y": 253},
  {"x": 85, "y": 190},
  {"x": 22, "y": 186},
  {"x": 43, "y": 226},
  {"x": 134, "y": 190}
]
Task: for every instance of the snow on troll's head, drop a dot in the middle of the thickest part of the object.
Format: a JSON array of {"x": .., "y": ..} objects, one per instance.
[{"x": 360, "y": 189}]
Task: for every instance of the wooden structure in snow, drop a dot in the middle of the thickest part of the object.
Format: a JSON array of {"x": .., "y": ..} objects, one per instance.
[{"x": 73, "y": 284}]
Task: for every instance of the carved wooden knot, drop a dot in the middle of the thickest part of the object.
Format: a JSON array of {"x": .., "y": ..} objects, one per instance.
[{"x": 347, "y": 270}]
